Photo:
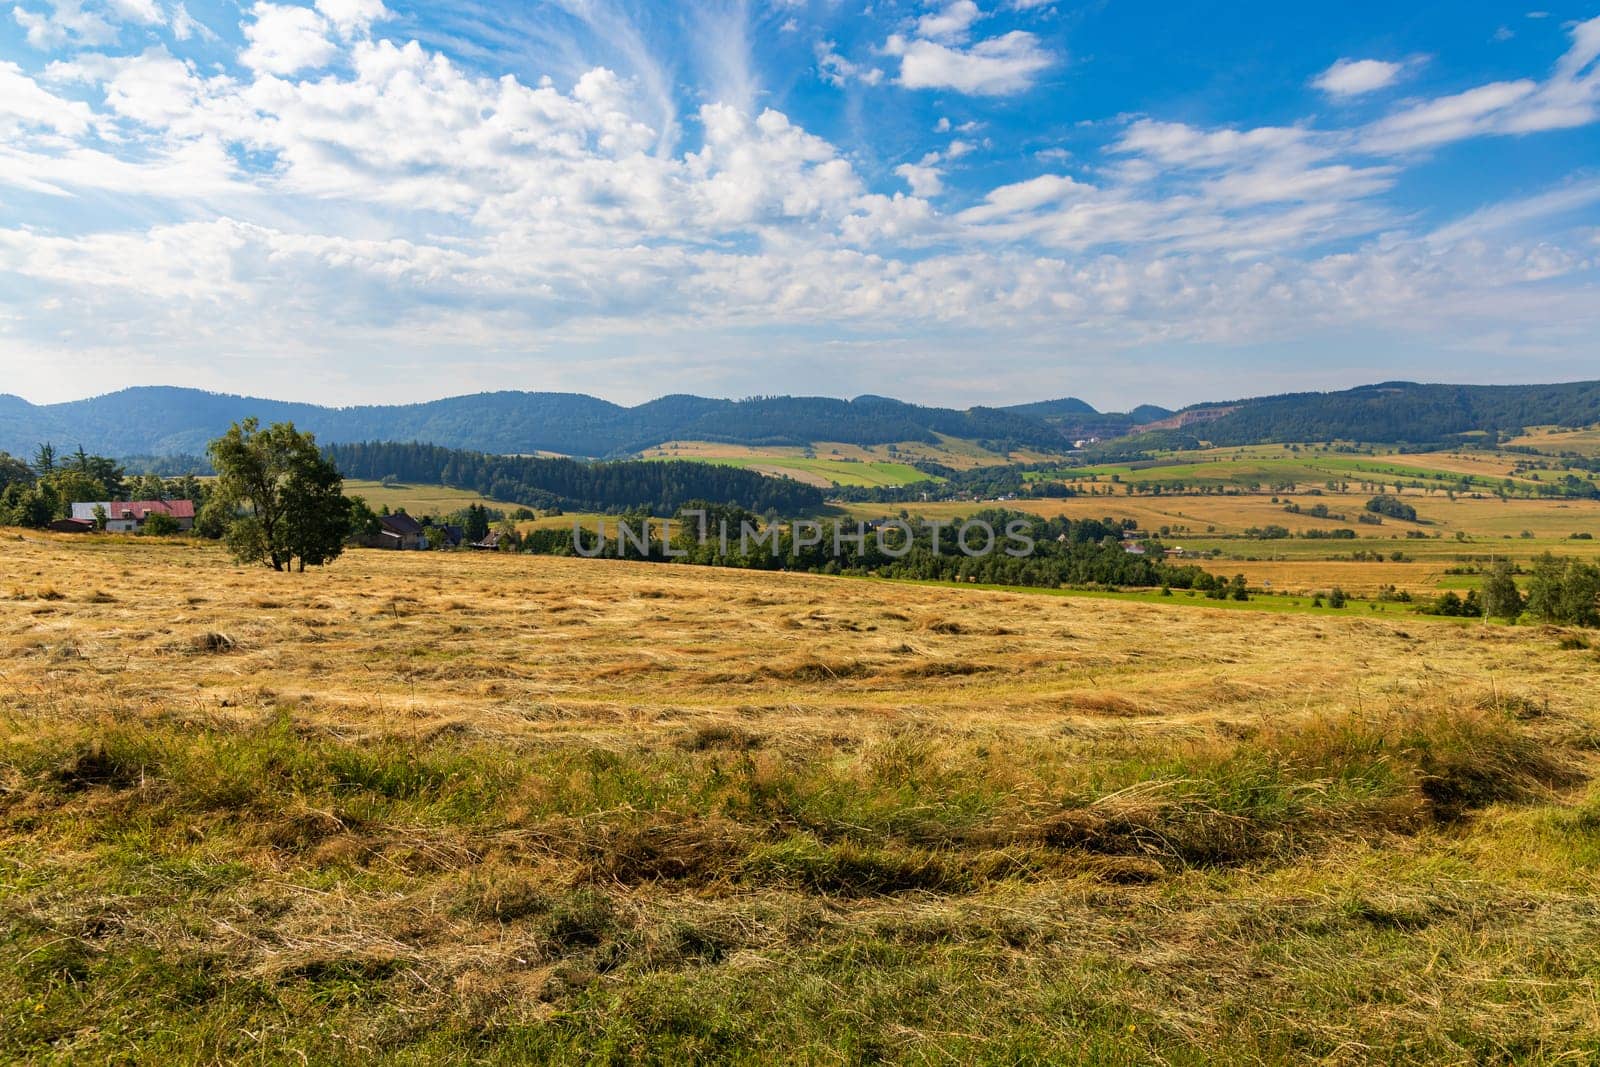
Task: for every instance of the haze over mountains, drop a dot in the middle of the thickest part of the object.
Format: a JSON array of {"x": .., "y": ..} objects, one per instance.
[{"x": 159, "y": 420}]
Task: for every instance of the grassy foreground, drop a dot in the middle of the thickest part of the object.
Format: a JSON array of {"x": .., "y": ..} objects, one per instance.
[{"x": 426, "y": 808}]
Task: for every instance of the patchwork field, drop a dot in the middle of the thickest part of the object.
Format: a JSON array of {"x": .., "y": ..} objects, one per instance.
[
  {"x": 419, "y": 499},
  {"x": 1488, "y": 519},
  {"x": 1312, "y": 466},
  {"x": 826, "y": 465},
  {"x": 423, "y": 808}
]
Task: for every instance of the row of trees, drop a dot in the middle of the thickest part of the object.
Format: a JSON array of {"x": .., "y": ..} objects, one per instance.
[
  {"x": 36, "y": 492},
  {"x": 660, "y": 487},
  {"x": 1560, "y": 591},
  {"x": 1065, "y": 552}
]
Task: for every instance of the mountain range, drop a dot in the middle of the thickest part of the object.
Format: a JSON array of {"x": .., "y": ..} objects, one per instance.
[{"x": 164, "y": 421}]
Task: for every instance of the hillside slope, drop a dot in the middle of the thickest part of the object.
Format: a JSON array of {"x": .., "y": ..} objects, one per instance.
[{"x": 159, "y": 420}]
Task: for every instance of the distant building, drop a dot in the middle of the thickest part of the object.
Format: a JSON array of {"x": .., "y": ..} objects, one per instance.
[
  {"x": 397, "y": 531},
  {"x": 128, "y": 516},
  {"x": 1133, "y": 548},
  {"x": 72, "y": 526},
  {"x": 490, "y": 543}
]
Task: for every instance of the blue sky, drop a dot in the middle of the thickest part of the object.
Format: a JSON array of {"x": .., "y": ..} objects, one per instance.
[{"x": 966, "y": 201}]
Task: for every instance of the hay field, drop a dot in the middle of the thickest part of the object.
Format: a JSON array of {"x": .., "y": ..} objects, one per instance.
[
  {"x": 1583, "y": 442},
  {"x": 828, "y": 466},
  {"x": 419, "y": 499},
  {"x": 450, "y": 807}
]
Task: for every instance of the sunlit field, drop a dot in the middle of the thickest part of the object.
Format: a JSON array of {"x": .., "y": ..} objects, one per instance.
[
  {"x": 431, "y": 807},
  {"x": 825, "y": 465},
  {"x": 419, "y": 499}
]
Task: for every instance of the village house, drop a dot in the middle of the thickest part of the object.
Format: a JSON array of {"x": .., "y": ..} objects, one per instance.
[
  {"x": 397, "y": 531},
  {"x": 129, "y": 516}
]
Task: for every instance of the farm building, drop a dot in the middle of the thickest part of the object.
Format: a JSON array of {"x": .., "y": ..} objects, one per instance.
[
  {"x": 72, "y": 526},
  {"x": 397, "y": 531},
  {"x": 129, "y": 516}
]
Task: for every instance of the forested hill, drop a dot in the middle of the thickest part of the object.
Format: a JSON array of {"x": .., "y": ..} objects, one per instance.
[
  {"x": 168, "y": 421},
  {"x": 158, "y": 421},
  {"x": 1399, "y": 412},
  {"x": 543, "y": 483}
]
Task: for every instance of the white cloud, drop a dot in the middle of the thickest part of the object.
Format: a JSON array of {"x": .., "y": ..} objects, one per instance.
[
  {"x": 1448, "y": 118},
  {"x": 924, "y": 180},
  {"x": 24, "y": 104},
  {"x": 66, "y": 22},
  {"x": 285, "y": 39},
  {"x": 142, "y": 12},
  {"x": 996, "y": 66},
  {"x": 951, "y": 24},
  {"x": 1355, "y": 77},
  {"x": 835, "y": 69},
  {"x": 1569, "y": 98},
  {"x": 351, "y": 17}
]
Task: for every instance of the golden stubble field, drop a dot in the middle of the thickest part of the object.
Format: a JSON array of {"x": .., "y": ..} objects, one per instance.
[
  {"x": 543, "y": 646},
  {"x": 449, "y": 807}
]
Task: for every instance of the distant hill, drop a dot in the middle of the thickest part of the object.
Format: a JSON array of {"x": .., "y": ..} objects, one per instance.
[
  {"x": 159, "y": 420},
  {"x": 1054, "y": 409},
  {"x": 1398, "y": 412},
  {"x": 164, "y": 421}
]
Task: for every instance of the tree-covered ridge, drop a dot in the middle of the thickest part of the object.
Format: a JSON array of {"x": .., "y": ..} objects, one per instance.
[
  {"x": 1403, "y": 412},
  {"x": 661, "y": 487},
  {"x": 160, "y": 421},
  {"x": 165, "y": 421}
]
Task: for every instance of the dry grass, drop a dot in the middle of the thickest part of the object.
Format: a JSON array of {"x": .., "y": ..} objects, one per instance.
[{"x": 447, "y": 807}]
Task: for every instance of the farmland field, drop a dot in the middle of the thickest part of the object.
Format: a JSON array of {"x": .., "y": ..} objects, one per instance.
[
  {"x": 824, "y": 464},
  {"x": 1312, "y": 466},
  {"x": 418, "y": 499},
  {"x": 431, "y": 807}
]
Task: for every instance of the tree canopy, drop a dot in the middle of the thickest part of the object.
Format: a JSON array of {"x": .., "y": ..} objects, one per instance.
[{"x": 280, "y": 500}]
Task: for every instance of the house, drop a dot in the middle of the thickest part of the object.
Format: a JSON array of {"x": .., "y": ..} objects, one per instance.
[
  {"x": 1133, "y": 548},
  {"x": 490, "y": 543},
  {"x": 128, "y": 516},
  {"x": 397, "y": 531},
  {"x": 453, "y": 535},
  {"x": 72, "y": 526}
]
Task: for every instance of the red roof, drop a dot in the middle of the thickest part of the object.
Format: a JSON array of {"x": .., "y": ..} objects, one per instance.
[{"x": 178, "y": 509}]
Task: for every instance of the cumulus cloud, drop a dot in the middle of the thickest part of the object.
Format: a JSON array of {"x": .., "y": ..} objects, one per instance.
[
  {"x": 352, "y": 16},
  {"x": 951, "y": 23},
  {"x": 284, "y": 39},
  {"x": 1355, "y": 77},
  {"x": 924, "y": 178},
  {"x": 996, "y": 66}
]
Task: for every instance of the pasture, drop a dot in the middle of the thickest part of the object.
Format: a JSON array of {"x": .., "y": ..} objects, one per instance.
[
  {"x": 431, "y": 807},
  {"x": 418, "y": 499},
  {"x": 825, "y": 464}
]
